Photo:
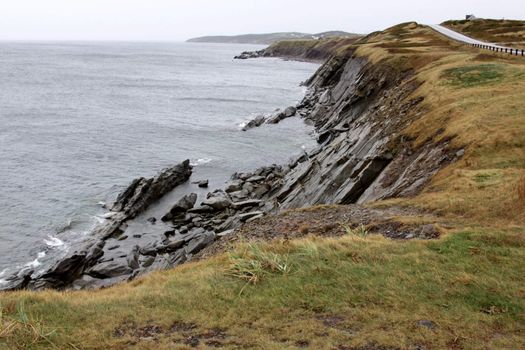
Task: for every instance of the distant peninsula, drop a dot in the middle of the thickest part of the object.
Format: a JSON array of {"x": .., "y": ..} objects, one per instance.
[{"x": 270, "y": 38}]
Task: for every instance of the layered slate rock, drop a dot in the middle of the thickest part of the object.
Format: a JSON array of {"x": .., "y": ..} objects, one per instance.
[{"x": 142, "y": 192}]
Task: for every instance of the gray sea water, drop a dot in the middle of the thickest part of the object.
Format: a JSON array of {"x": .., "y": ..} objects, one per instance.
[{"x": 79, "y": 121}]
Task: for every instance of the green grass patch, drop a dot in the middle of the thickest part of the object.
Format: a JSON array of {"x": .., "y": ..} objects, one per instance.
[{"x": 474, "y": 75}]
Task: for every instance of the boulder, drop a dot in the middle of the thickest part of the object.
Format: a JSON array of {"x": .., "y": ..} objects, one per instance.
[
  {"x": 184, "y": 204},
  {"x": 110, "y": 269},
  {"x": 217, "y": 203},
  {"x": 234, "y": 186},
  {"x": 173, "y": 244},
  {"x": 290, "y": 112},
  {"x": 141, "y": 193},
  {"x": 200, "y": 242},
  {"x": 256, "y": 122},
  {"x": 203, "y": 183}
]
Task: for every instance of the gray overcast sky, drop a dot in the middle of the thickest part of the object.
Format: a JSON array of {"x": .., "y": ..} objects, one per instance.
[{"x": 180, "y": 20}]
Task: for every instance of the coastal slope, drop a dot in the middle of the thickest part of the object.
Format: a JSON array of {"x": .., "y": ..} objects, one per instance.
[{"x": 403, "y": 229}]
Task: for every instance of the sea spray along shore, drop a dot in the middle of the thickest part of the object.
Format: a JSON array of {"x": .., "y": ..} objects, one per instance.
[{"x": 403, "y": 228}]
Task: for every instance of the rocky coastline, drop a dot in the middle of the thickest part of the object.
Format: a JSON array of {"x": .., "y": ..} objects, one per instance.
[{"x": 357, "y": 108}]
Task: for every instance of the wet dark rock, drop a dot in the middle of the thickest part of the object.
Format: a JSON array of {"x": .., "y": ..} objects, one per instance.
[
  {"x": 143, "y": 192},
  {"x": 184, "y": 204},
  {"x": 234, "y": 186},
  {"x": 255, "y": 122},
  {"x": 170, "y": 233},
  {"x": 200, "y": 242},
  {"x": 110, "y": 269},
  {"x": 19, "y": 280},
  {"x": 250, "y": 54},
  {"x": 152, "y": 221},
  {"x": 279, "y": 116},
  {"x": 203, "y": 183},
  {"x": 173, "y": 244},
  {"x": 217, "y": 203}
]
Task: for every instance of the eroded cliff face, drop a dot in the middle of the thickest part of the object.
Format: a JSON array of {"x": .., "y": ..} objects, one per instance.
[{"x": 360, "y": 110}]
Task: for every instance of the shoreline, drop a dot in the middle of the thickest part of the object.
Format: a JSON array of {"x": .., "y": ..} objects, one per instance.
[{"x": 89, "y": 249}]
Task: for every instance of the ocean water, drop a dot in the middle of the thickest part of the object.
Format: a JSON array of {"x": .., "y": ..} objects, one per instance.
[{"x": 79, "y": 121}]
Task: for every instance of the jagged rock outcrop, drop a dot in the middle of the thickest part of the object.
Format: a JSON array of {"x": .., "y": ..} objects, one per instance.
[{"x": 143, "y": 192}]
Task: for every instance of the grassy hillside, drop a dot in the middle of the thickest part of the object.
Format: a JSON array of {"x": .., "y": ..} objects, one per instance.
[
  {"x": 505, "y": 32},
  {"x": 358, "y": 291}
]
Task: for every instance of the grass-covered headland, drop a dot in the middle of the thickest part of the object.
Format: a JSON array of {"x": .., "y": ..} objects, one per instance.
[{"x": 358, "y": 290}]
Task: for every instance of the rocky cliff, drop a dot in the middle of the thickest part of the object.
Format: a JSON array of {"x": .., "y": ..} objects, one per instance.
[
  {"x": 304, "y": 50},
  {"x": 359, "y": 108}
]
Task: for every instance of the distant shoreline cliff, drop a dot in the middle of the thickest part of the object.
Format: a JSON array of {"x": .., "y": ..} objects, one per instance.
[{"x": 270, "y": 38}]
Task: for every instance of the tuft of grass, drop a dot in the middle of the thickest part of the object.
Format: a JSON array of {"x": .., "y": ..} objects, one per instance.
[
  {"x": 252, "y": 262},
  {"x": 20, "y": 331},
  {"x": 359, "y": 231}
]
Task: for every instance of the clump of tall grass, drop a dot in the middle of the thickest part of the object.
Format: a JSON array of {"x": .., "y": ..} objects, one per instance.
[
  {"x": 253, "y": 261},
  {"x": 359, "y": 231},
  {"x": 21, "y": 331}
]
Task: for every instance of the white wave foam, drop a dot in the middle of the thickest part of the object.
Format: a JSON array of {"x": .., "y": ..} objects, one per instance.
[
  {"x": 34, "y": 263},
  {"x": 200, "y": 161},
  {"x": 53, "y": 241},
  {"x": 243, "y": 124},
  {"x": 99, "y": 219},
  {"x": 41, "y": 255}
]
